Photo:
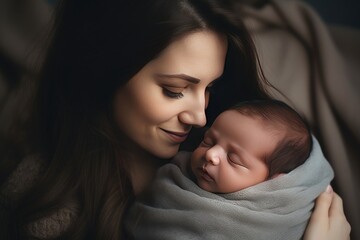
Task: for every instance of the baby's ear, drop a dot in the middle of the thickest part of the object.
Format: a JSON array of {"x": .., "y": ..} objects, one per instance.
[{"x": 277, "y": 175}]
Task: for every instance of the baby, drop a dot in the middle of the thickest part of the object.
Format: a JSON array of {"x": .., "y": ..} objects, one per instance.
[
  {"x": 255, "y": 175},
  {"x": 250, "y": 143}
]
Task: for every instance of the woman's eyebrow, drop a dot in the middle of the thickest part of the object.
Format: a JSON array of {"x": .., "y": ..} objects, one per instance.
[{"x": 181, "y": 76}]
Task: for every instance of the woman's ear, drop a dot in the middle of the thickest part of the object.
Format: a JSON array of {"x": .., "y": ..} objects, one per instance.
[{"x": 277, "y": 175}]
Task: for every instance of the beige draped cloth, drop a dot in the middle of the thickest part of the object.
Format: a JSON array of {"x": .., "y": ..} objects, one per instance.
[{"x": 317, "y": 67}]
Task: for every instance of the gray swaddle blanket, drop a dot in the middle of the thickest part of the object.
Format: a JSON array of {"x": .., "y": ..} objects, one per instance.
[{"x": 176, "y": 208}]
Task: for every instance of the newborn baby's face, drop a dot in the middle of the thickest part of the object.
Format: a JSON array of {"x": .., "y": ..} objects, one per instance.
[{"x": 231, "y": 155}]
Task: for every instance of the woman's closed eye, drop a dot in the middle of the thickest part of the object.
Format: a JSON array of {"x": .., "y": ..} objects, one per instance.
[
  {"x": 177, "y": 91},
  {"x": 173, "y": 92}
]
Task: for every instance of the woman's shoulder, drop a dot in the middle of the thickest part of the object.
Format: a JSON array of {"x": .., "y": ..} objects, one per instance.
[
  {"x": 54, "y": 225},
  {"x": 26, "y": 174}
]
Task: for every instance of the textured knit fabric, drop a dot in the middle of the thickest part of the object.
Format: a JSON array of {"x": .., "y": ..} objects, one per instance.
[{"x": 21, "y": 180}]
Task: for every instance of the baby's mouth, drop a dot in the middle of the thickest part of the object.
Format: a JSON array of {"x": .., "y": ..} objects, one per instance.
[{"x": 205, "y": 175}]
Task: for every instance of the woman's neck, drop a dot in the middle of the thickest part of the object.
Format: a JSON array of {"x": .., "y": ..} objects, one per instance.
[
  {"x": 143, "y": 167},
  {"x": 142, "y": 170}
]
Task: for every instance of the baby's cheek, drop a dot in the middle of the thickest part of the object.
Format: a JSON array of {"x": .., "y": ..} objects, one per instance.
[
  {"x": 198, "y": 153},
  {"x": 196, "y": 156}
]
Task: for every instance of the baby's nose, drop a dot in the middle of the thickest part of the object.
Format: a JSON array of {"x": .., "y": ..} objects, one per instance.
[{"x": 213, "y": 155}]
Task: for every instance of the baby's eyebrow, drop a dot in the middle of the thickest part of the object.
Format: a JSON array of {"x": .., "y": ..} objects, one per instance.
[{"x": 180, "y": 76}]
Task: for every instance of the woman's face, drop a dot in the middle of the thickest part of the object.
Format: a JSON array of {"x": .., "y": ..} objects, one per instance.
[{"x": 158, "y": 106}]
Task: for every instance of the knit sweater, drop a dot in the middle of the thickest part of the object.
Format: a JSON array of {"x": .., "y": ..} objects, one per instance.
[{"x": 25, "y": 176}]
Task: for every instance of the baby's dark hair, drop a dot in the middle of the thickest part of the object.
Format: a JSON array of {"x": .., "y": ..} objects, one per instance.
[{"x": 295, "y": 147}]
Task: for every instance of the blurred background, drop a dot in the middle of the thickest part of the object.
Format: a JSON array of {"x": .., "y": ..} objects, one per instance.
[{"x": 340, "y": 12}]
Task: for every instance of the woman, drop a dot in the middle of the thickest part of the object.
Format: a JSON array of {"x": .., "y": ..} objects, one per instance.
[{"x": 122, "y": 85}]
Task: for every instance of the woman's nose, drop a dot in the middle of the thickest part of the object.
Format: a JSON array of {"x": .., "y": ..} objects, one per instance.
[
  {"x": 213, "y": 155},
  {"x": 195, "y": 113}
]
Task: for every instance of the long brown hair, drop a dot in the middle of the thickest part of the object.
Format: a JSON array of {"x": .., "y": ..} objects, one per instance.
[{"x": 97, "y": 46}]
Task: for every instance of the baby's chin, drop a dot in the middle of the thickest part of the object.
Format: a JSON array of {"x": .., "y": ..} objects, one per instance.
[{"x": 205, "y": 187}]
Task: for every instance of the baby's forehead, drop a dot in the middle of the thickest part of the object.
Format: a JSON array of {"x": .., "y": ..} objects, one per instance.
[
  {"x": 232, "y": 116},
  {"x": 229, "y": 114},
  {"x": 235, "y": 116},
  {"x": 229, "y": 120}
]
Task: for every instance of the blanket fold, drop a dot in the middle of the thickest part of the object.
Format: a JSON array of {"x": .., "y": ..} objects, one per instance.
[{"x": 174, "y": 207}]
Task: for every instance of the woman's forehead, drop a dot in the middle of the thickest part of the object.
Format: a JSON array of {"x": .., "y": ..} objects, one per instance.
[{"x": 199, "y": 54}]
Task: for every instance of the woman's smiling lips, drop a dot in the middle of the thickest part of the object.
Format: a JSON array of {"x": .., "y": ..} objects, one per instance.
[{"x": 177, "y": 137}]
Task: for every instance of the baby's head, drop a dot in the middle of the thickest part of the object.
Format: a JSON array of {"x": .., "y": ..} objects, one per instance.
[{"x": 250, "y": 143}]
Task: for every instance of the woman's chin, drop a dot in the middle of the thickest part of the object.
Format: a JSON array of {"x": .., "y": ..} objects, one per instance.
[{"x": 166, "y": 152}]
